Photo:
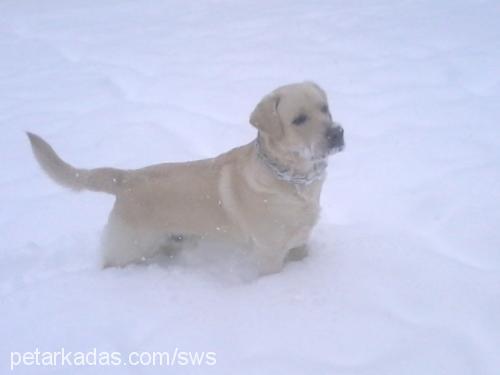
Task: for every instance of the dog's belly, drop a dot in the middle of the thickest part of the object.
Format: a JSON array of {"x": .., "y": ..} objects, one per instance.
[
  {"x": 177, "y": 219},
  {"x": 180, "y": 219},
  {"x": 173, "y": 244}
]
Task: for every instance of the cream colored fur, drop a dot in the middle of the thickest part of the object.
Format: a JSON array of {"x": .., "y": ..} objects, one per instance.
[{"x": 235, "y": 198}]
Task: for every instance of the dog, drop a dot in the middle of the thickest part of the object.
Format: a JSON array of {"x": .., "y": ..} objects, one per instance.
[{"x": 262, "y": 197}]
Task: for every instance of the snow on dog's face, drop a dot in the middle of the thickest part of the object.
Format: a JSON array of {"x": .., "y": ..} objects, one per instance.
[{"x": 295, "y": 122}]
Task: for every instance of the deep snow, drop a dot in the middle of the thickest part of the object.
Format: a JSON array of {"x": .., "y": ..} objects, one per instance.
[{"x": 404, "y": 277}]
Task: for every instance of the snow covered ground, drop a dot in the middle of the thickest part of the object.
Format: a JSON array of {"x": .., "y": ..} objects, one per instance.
[{"x": 404, "y": 277}]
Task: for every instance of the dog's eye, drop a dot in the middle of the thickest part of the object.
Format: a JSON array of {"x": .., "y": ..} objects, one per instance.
[
  {"x": 324, "y": 109},
  {"x": 300, "y": 119}
]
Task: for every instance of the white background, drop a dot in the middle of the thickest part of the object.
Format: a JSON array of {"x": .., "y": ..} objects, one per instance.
[{"x": 404, "y": 276}]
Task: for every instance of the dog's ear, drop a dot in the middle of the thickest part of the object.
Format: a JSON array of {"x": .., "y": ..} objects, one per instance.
[{"x": 265, "y": 116}]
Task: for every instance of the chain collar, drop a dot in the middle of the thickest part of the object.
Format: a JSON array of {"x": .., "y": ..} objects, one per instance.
[{"x": 287, "y": 174}]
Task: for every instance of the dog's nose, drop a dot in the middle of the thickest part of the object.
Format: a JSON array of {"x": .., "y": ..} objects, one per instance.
[{"x": 335, "y": 136}]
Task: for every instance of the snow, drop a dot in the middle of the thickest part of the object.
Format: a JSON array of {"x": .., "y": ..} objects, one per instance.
[{"x": 404, "y": 276}]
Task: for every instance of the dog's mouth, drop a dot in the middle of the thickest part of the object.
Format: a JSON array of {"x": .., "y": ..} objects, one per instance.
[
  {"x": 336, "y": 149},
  {"x": 319, "y": 154},
  {"x": 331, "y": 150}
]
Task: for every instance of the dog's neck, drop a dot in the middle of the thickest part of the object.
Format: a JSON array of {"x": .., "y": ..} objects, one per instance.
[{"x": 316, "y": 169}]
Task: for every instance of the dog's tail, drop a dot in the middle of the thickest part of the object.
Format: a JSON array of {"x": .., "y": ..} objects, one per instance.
[{"x": 108, "y": 180}]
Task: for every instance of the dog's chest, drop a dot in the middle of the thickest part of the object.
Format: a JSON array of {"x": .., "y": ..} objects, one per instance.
[
  {"x": 266, "y": 210},
  {"x": 295, "y": 213},
  {"x": 286, "y": 218}
]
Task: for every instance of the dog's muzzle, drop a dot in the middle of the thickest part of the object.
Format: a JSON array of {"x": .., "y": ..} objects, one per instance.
[{"x": 335, "y": 138}]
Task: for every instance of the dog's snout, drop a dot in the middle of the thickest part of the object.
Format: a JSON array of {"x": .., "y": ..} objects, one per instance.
[{"x": 335, "y": 136}]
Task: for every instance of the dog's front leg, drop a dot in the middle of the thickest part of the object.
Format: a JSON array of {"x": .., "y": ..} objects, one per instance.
[
  {"x": 297, "y": 253},
  {"x": 270, "y": 261}
]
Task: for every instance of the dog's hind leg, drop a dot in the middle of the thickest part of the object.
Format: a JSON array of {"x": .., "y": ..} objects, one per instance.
[{"x": 122, "y": 244}]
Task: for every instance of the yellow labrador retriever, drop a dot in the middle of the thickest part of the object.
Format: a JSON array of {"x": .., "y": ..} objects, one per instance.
[{"x": 262, "y": 197}]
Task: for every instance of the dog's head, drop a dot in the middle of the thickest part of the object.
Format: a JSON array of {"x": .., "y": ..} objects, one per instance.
[{"x": 295, "y": 122}]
